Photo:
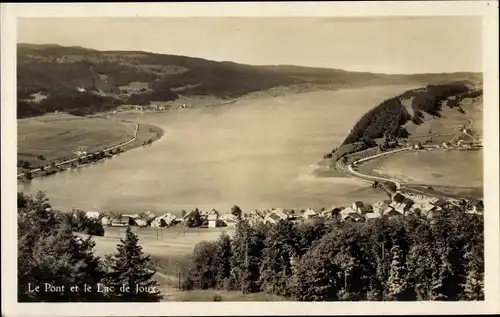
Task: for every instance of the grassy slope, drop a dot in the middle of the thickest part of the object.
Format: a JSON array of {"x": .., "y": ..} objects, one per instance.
[
  {"x": 170, "y": 250},
  {"x": 57, "y": 136}
]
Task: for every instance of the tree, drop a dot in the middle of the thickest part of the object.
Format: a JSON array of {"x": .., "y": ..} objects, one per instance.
[
  {"x": 201, "y": 271},
  {"x": 194, "y": 219},
  {"x": 79, "y": 222},
  {"x": 48, "y": 252},
  {"x": 276, "y": 267},
  {"x": 474, "y": 281},
  {"x": 130, "y": 268},
  {"x": 236, "y": 211},
  {"x": 397, "y": 284},
  {"x": 210, "y": 267},
  {"x": 222, "y": 260},
  {"x": 247, "y": 247}
]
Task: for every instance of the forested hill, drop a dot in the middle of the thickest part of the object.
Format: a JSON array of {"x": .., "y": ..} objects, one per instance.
[
  {"x": 389, "y": 117},
  {"x": 53, "y": 77}
]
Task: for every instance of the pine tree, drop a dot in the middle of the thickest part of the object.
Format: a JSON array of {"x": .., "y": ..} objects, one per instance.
[
  {"x": 130, "y": 273},
  {"x": 397, "y": 283},
  {"x": 49, "y": 252}
]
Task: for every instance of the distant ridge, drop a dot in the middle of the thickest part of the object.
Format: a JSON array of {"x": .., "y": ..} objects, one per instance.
[{"x": 119, "y": 77}]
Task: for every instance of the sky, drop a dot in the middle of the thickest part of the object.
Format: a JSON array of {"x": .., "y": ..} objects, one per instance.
[{"x": 384, "y": 44}]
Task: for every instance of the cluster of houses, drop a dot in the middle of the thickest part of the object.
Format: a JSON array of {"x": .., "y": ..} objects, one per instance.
[
  {"x": 398, "y": 205},
  {"x": 211, "y": 218},
  {"x": 462, "y": 144},
  {"x": 150, "y": 107}
]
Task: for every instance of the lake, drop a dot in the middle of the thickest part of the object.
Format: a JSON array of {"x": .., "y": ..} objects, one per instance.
[{"x": 256, "y": 153}]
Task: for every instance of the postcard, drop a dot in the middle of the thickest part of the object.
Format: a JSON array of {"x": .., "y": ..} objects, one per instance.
[{"x": 276, "y": 158}]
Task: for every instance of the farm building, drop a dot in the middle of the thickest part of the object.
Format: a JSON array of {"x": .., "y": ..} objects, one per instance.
[{"x": 165, "y": 220}]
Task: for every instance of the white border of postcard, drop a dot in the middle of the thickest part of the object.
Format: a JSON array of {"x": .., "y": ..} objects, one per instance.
[{"x": 486, "y": 9}]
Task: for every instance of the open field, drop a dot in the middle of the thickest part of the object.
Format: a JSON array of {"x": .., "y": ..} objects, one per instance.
[
  {"x": 170, "y": 242},
  {"x": 233, "y": 296},
  {"x": 57, "y": 136},
  {"x": 170, "y": 250}
]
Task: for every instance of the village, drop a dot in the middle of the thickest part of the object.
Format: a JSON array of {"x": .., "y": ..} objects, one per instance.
[
  {"x": 398, "y": 205},
  {"x": 150, "y": 108}
]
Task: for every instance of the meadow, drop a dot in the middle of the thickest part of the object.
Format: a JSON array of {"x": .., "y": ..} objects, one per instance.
[
  {"x": 57, "y": 136},
  {"x": 170, "y": 250}
]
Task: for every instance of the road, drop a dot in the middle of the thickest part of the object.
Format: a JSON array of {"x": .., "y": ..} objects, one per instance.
[{"x": 88, "y": 155}]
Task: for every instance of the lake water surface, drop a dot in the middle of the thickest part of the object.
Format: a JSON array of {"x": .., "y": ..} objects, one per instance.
[
  {"x": 255, "y": 153},
  {"x": 437, "y": 167}
]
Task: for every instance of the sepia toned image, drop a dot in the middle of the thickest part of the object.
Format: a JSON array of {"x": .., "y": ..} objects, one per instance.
[{"x": 250, "y": 159}]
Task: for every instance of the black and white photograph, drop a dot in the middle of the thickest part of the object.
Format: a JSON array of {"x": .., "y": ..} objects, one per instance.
[{"x": 250, "y": 158}]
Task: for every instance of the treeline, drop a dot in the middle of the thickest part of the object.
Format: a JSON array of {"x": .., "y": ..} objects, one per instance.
[
  {"x": 430, "y": 99},
  {"x": 388, "y": 259},
  {"x": 454, "y": 103},
  {"x": 159, "y": 94},
  {"x": 389, "y": 116},
  {"x": 385, "y": 119},
  {"x": 76, "y": 103},
  {"x": 51, "y": 254}
]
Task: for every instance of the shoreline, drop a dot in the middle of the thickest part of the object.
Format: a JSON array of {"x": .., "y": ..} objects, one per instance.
[{"x": 140, "y": 138}]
